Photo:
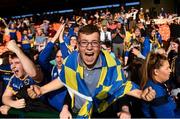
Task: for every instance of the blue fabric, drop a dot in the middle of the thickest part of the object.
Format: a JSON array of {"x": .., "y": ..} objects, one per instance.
[
  {"x": 71, "y": 31},
  {"x": 146, "y": 47},
  {"x": 16, "y": 84},
  {"x": 12, "y": 33},
  {"x": 66, "y": 39},
  {"x": 25, "y": 43},
  {"x": 5, "y": 74},
  {"x": 40, "y": 39},
  {"x": 164, "y": 110},
  {"x": 64, "y": 50},
  {"x": 44, "y": 57},
  {"x": 158, "y": 35},
  {"x": 112, "y": 84},
  {"x": 55, "y": 98}
]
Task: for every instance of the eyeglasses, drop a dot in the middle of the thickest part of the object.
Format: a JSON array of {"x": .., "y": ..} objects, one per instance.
[{"x": 86, "y": 43}]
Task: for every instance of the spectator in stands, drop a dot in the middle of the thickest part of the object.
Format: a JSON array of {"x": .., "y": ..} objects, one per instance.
[
  {"x": 5, "y": 72},
  {"x": 162, "y": 14},
  {"x": 51, "y": 31},
  {"x": 25, "y": 74},
  {"x": 136, "y": 48},
  {"x": 165, "y": 32},
  {"x": 174, "y": 60},
  {"x": 155, "y": 39},
  {"x": 141, "y": 16},
  {"x": 65, "y": 48},
  {"x": 155, "y": 72},
  {"x": 25, "y": 41},
  {"x": 93, "y": 78},
  {"x": 55, "y": 98},
  {"x": 118, "y": 36},
  {"x": 12, "y": 31},
  {"x": 44, "y": 26},
  {"x": 105, "y": 35},
  {"x": 108, "y": 46},
  {"x": 40, "y": 39}
]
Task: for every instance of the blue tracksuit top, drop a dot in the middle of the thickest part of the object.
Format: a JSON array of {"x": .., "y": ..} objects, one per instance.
[
  {"x": 163, "y": 106},
  {"x": 55, "y": 98}
]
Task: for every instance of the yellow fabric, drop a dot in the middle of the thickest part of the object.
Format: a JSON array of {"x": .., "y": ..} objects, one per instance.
[
  {"x": 102, "y": 76},
  {"x": 5, "y": 71},
  {"x": 25, "y": 42},
  {"x": 80, "y": 70},
  {"x": 71, "y": 75}
]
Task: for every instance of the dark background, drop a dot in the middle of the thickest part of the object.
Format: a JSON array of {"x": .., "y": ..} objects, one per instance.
[{"x": 19, "y": 7}]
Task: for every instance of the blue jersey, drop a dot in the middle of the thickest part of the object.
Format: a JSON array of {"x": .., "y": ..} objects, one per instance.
[
  {"x": 15, "y": 84},
  {"x": 5, "y": 74},
  {"x": 25, "y": 43},
  {"x": 12, "y": 32}
]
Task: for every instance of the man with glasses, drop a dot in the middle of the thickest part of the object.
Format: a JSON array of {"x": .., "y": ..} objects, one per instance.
[{"x": 93, "y": 78}]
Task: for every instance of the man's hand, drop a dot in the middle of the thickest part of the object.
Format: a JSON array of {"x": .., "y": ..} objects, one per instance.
[
  {"x": 60, "y": 30},
  {"x": 61, "y": 34},
  {"x": 34, "y": 91},
  {"x": 124, "y": 114},
  {"x": 148, "y": 94},
  {"x": 12, "y": 46},
  {"x": 65, "y": 114},
  {"x": 18, "y": 104},
  {"x": 4, "y": 109}
]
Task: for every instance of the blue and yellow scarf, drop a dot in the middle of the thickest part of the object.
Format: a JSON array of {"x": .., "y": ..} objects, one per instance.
[{"x": 111, "y": 86}]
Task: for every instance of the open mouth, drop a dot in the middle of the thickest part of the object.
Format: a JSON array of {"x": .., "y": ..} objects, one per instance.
[
  {"x": 16, "y": 71},
  {"x": 89, "y": 54}
]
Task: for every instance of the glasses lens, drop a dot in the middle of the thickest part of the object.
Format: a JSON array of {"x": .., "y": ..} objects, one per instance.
[{"x": 93, "y": 43}]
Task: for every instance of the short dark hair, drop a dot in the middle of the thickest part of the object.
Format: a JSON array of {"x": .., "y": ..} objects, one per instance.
[
  {"x": 108, "y": 44},
  {"x": 12, "y": 55},
  {"x": 89, "y": 29},
  {"x": 29, "y": 54}
]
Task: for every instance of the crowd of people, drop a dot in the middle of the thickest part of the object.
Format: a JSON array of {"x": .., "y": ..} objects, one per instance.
[{"x": 99, "y": 64}]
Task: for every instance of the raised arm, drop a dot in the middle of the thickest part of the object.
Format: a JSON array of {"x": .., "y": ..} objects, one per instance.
[
  {"x": 4, "y": 22},
  {"x": 61, "y": 34},
  {"x": 62, "y": 44},
  {"x": 44, "y": 56},
  {"x": 28, "y": 65}
]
